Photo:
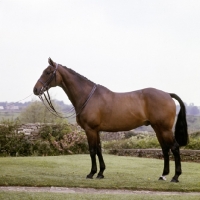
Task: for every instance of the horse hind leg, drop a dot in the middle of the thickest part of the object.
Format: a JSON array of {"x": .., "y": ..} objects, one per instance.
[
  {"x": 165, "y": 139},
  {"x": 176, "y": 152},
  {"x": 167, "y": 142},
  {"x": 166, "y": 164},
  {"x": 101, "y": 161}
]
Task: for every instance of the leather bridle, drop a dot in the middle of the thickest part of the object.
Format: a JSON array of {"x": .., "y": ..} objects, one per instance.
[
  {"x": 51, "y": 108},
  {"x": 46, "y": 84}
]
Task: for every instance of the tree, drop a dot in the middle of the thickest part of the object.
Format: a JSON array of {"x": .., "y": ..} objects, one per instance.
[{"x": 37, "y": 112}]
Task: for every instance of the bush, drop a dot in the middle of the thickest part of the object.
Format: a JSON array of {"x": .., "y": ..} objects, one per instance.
[
  {"x": 135, "y": 142},
  {"x": 63, "y": 140},
  {"x": 53, "y": 139},
  {"x": 42, "y": 148},
  {"x": 147, "y": 141},
  {"x": 10, "y": 141},
  {"x": 194, "y": 144},
  {"x": 74, "y": 142}
]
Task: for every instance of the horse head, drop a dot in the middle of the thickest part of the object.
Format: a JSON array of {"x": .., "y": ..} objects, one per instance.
[{"x": 49, "y": 78}]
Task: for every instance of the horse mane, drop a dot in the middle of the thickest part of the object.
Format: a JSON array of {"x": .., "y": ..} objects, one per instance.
[{"x": 77, "y": 74}]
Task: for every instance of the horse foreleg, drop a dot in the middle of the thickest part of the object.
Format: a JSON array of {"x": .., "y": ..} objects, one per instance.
[
  {"x": 166, "y": 163},
  {"x": 92, "y": 142},
  {"x": 101, "y": 161},
  {"x": 177, "y": 159}
]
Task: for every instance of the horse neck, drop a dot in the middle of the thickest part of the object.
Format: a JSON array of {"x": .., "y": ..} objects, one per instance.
[{"x": 76, "y": 87}]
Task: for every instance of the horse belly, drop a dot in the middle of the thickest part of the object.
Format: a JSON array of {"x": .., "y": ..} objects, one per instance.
[{"x": 122, "y": 121}]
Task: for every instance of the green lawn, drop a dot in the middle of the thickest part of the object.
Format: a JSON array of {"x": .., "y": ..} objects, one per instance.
[
  {"x": 58, "y": 196},
  {"x": 70, "y": 171},
  {"x": 121, "y": 173}
]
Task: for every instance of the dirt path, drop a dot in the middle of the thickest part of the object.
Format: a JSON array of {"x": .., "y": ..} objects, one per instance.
[{"x": 90, "y": 190}]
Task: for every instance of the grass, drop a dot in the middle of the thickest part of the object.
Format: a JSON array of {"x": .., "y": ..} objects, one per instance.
[
  {"x": 15, "y": 114},
  {"x": 121, "y": 173},
  {"x": 8, "y": 115},
  {"x": 57, "y": 196},
  {"x": 70, "y": 171}
]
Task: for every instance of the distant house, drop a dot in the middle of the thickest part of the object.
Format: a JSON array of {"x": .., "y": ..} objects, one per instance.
[
  {"x": 12, "y": 107},
  {"x": 1, "y": 107}
]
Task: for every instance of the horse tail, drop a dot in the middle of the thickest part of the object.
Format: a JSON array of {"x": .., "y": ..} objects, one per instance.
[{"x": 181, "y": 132}]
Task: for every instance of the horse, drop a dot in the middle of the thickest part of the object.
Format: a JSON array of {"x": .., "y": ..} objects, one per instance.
[{"x": 99, "y": 109}]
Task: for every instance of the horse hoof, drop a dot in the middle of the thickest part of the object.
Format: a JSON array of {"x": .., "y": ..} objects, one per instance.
[
  {"x": 89, "y": 176},
  {"x": 174, "y": 180},
  {"x": 100, "y": 176},
  {"x": 162, "y": 178}
]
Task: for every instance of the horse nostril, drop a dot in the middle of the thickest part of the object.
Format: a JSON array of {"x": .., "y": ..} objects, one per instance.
[{"x": 35, "y": 90}]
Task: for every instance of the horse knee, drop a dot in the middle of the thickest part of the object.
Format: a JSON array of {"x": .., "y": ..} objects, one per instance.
[
  {"x": 93, "y": 152},
  {"x": 175, "y": 149}
]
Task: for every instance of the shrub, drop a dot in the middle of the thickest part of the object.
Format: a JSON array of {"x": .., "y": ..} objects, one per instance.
[
  {"x": 53, "y": 139},
  {"x": 9, "y": 139},
  {"x": 44, "y": 149},
  {"x": 63, "y": 140},
  {"x": 74, "y": 142},
  {"x": 135, "y": 142},
  {"x": 193, "y": 144}
]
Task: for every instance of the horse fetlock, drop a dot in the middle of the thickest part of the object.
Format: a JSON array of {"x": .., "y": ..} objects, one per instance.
[
  {"x": 102, "y": 168},
  {"x": 174, "y": 180},
  {"x": 100, "y": 176},
  {"x": 90, "y": 176},
  {"x": 162, "y": 178},
  {"x": 165, "y": 172}
]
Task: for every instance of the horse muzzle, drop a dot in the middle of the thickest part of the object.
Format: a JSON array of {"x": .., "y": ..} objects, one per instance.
[{"x": 39, "y": 90}]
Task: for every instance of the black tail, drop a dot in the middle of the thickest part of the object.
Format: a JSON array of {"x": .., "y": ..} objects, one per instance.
[{"x": 181, "y": 132}]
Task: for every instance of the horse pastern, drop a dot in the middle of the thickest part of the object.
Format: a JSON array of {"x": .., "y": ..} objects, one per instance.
[
  {"x": 162, "y": 178},
  {"x": 174, "y": 180},
  {"x": 100, "y": 177},
  {"x": 89, "y": 176}
]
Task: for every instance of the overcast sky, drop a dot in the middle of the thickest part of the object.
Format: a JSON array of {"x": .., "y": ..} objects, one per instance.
[{"x": 124, "y": 45}]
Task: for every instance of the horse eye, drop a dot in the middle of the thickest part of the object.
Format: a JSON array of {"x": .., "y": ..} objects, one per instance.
[{"x": 47, "y": 73}]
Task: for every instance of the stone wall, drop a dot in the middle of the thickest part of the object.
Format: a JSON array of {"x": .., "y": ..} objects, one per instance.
[
  {"x": 186, "y": 155},
  {"x": 31, "y": 131}
]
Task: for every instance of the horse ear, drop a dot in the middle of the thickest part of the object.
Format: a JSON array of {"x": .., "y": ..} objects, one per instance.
[{"x": 50, "y": 62}]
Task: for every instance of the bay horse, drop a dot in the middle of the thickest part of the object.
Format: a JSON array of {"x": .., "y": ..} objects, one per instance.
[{"x": 99, "y": 109}]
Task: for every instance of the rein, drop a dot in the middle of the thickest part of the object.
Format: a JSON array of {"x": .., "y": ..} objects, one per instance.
[
  {"x": 87, "y": 100},
  {"x": 47, "y": 97}
]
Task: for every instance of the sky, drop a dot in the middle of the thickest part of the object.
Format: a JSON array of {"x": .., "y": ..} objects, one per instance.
[{"x": 124, "y": 45}]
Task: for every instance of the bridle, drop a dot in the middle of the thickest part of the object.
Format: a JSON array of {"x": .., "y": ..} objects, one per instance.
[
  {"x": 46, "y": 84},
  {"x": 44, "y": 88},
  {"x": 48, "y": 99}
]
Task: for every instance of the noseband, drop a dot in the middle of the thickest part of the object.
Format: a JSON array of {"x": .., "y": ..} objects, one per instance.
[{"x": 46, "y": 84}]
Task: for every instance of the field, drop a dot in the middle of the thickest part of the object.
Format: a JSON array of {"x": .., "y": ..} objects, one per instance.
[
  {"x": 8, "y": 115},
  {"x": 70, "y": 171},
  {"x": 14, "y": 114}
]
